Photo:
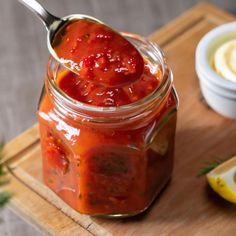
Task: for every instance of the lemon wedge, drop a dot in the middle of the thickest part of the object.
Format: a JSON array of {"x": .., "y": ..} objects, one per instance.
[{"x": 222, "y": 179}]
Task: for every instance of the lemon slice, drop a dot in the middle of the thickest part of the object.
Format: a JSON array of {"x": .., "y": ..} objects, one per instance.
[{"x": 223, "y": 179}]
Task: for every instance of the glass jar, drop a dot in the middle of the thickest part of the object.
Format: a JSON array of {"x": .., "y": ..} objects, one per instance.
[{"x": 109, "y": 161}]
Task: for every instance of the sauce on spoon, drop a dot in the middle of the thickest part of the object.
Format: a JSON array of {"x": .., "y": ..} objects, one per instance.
[{"x": 109, "y": 70}]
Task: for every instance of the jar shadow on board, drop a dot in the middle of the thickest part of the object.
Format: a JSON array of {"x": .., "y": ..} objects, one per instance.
[{"x": 109, "y": 161}]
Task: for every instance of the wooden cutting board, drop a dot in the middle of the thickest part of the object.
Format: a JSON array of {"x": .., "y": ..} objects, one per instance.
[{"x": 187, "y": 206}]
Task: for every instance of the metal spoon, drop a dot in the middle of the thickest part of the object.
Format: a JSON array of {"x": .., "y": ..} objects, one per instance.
[{"x": 53, "y": 24}]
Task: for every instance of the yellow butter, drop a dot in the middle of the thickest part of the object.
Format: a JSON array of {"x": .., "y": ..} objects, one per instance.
[{"x": 225, "y": 60}]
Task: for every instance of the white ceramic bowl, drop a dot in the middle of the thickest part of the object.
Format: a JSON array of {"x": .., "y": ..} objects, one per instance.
[{"x": 218, "y": 92}]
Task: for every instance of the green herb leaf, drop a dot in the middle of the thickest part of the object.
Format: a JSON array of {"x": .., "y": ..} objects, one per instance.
[
  {"x": 208, "y": 168},
  {"x": 4, "y": 198}
]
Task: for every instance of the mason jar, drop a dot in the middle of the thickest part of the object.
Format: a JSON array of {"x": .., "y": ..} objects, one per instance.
[{"x": 109, "y": 161}]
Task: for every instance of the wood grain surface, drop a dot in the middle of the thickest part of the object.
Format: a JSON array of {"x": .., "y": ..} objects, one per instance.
[{"x": 24, "y": 55}]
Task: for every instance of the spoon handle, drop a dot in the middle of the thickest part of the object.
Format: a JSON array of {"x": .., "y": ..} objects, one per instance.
[{"x": 47, "y": 18}]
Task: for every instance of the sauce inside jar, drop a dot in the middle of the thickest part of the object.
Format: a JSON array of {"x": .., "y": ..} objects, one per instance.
[
  {"x": 108, "y": 69},
  {"x": 104, "y": 168}
]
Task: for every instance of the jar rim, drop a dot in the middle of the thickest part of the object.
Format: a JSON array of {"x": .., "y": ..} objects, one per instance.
[{"x": 163, "y": 87}]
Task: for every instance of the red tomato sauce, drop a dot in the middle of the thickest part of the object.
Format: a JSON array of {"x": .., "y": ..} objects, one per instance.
[
  {"x": 99, "y": 95},
  {"x": 98, "y": 170},
  {"x": 109, "y": 71},
  {"x": 98, "y": 54}
]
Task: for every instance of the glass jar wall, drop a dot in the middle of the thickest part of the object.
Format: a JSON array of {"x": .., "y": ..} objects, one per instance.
[{"x": 109, "y": 161}]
